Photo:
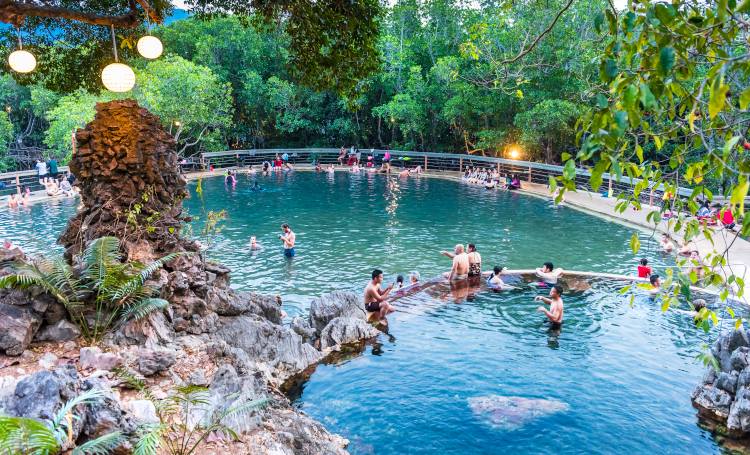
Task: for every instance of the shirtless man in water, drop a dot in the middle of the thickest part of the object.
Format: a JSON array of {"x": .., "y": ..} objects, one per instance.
[
  {"x": 666, "y": 243},
  {"x": 555, "y": 313},
  {"x": 460, "y": 269},
  {"x": 288, "y": 238},
  {"x": 375, "y": 297}
]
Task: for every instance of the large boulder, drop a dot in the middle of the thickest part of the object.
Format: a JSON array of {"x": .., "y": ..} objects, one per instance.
[
  {"x": 62, "y": 331},
  {"x": 271, "y": 348},
  {"x": 17, "y": 328},
  {"x": 104, "y": 415},
  {"x": 345, "y": 330},
  {"x": 336, "y": 304},
  {"x": 227, "y": 382},
  {"x": 151, "y": 362},
  {"x": 230, "y": 303},
  {"x": 739, "y": 414},
  {"x": 726, "y": 344},
  {"x": 302, "y": 328}
]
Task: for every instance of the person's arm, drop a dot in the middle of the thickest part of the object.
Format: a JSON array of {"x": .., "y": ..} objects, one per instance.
[
  {"x": 549, "y": 315},
  {"x": 543, "y": 299},
  {"x": 450, "y": 255}
]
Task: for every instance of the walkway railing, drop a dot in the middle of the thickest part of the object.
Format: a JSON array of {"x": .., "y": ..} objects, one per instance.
[
  {"x": 17, "y": 182},
  {"x": 526, "y": 170}
]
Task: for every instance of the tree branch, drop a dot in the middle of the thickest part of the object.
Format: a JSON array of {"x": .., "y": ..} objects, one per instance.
[
  {"x": 538, "y": 38},
  {"x": 12, "y": 12}
]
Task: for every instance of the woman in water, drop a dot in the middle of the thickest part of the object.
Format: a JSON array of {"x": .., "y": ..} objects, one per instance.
[
  {"x": 229, "y": 178},
  {"x": 494, "y": 281},
  {"x": 475, "y": 260}
]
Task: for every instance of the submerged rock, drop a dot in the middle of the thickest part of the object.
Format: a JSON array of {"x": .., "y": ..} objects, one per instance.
[{"x": 512, "y": 413}]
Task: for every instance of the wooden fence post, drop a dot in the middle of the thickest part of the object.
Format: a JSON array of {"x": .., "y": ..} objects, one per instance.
[
  {"x": 651, "y": 198},
  {"x": 609, "y": 193},
  {"x": 498, "y": 167},
  {"x": 425, "y": 162},
  {"x": 461, "y": 164},
  {"x": 529, "y": 173},
  {"x": 18, "y": 184}
]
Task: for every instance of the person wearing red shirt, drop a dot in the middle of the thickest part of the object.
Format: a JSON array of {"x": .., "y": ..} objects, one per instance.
[
  {"x": 644, "y": 270},
  {"x": 727, "y": 219}
]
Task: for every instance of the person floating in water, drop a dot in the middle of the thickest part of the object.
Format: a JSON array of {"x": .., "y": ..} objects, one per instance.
[
  {"x": 698, "y": 305},
  {"x": 375, "y": 297},
  {"x": 460, "y": 269},
  {"x": 494, "y": 281},
  {"x": 655, "y": 281},
  {"x": 288, "y": 239},
  {"x": 256, "y": 187},
  {"x": 556, "y": 307},
  {"x": 254, "y": 245},
  {"x": 666, "y": 243},
  {"x": 549, "y": 274},
  {"x": 644, "y": 270}
]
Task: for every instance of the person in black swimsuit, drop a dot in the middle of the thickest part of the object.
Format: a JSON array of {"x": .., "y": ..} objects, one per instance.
[{"x": 475, "y": 260}]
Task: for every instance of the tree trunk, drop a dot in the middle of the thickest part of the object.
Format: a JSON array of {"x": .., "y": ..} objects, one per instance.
[{"x": 549, "y": 151}]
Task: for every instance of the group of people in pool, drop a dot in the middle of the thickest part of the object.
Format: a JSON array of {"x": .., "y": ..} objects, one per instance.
[
  {"x": 491, "y": 178},
  {"x": 288, "y": 237},
  {"x": 467, "y": 264}
]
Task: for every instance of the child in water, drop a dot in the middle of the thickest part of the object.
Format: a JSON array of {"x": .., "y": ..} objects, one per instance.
[
  {"x": 494, "y": 281},
  {"x": 644, "y": 270}
]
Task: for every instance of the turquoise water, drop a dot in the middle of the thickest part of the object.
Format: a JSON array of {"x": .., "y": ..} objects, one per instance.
[{"x": 615, "y": 380}]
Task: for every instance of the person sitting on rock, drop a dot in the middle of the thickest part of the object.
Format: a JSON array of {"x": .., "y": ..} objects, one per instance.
[
  {"x": 375, "y": 297},
  {"x": 8, "y": 245},
  {"x": 65, "y": 187}
]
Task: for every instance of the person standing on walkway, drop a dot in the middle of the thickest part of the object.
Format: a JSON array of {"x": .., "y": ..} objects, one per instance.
[
  {"x": 41, "y": 168},
  {"x": 52, "y": 164},
  {"x": 288, "y": 238}
]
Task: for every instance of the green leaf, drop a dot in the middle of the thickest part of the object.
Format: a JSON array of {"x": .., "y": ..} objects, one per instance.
[
  {"x": 601, "y": 100},
  {"x": 635, "y": 243},
  {"x": 625, "y": 289},
  {"x": 610, "y": 67},
  {"x": 632, "y": 299},
  {"x": 666, "y": 60},
  {"x": 569, "y": 171},
  {"x": 718, "y": 95},
  {"x": 620, "y": 124},
  {"x": 630, "y": 97},
  {"x": 739, "y": 193},
  {"x": 598, "y": 21},
  {"x": 745, "y": 98},
  {"x": 721, "y": 9},
  {"x": 629, "y": 21},
  {"x": 552, "y": 184},
  {"x": 646, "y": 97}
]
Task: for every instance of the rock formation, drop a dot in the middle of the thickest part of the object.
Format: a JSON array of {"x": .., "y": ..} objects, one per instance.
[
  {"x": 127, "y": 172},
  {"x": 725, "y": 396}
]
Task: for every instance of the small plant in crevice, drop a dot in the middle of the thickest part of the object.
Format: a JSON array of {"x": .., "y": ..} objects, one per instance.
[
  {"x": 113, "y": 290},
  {"x": 187, "y": 417}
]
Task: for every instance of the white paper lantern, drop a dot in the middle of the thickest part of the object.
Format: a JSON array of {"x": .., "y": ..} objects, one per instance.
[
  {"x": 22, "y": 61},
  {"x": 150, "y": 46},
  {"x": 118, "y": 77}
]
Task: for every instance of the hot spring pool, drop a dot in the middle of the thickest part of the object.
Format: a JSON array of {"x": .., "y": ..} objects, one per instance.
[{"x": 460, "y": 371}]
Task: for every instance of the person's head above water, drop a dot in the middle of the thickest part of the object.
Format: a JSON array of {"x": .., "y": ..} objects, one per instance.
[
  {"x": 253, "y": 239},
  {"x": 644, "y": 262},
  {"x": 699, "y": 304},
  {"x": 459, "y": 249},
  {"x": 414, "y": 277},
  {"x": 377, "y": 275},
  {"x": 655, "y": 280},
  {"x": 548, "y": 267},
  {"x": 555, "y": 291},
  {"x": 471, "y": 247},
  {"x": 498, "y": 269},
  {"x": 400, "y": 279}
]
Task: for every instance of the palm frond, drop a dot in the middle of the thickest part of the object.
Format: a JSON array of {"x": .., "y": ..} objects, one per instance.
[
  {"x": 86, "y": 397},
  {"x": 104, "y": 445},
  {"x": 245, "y": 408},
  {"x": 150, "y": 439},
  {"x": 100, "y": 256},
  {"x": 21, "y": 435},
  {"x": 134, "y": 282},
  {"x": 143, "y": 308},
  {"x": 31, "y": 274}
]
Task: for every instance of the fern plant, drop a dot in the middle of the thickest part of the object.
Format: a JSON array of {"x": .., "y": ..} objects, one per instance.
[
  {"x": 186, "y": 417},
  {"x": 118, "y": 289},
  {"x": 21, "y": 436}
]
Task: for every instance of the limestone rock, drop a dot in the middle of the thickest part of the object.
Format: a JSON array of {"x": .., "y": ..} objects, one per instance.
[
  {"x": 336, "y": 304},
  {"x": 48, "y": 360},
  {"x": 150, "y": 362},
  {"x": 104, "y": 415},
  {"x": 302, "y": 328},
  {"x": 728, "y": 381},
  {"x": 62, "y": 331},
  {"x": 144, "y": 410},
  {"x": 278, "y": 350},
  {"x": 198, "y": 379},
  {"x": 207, "y": 324},
  {"x": 94, "y": 358},
  {"x": 17, "y": 328},
  {"x": 345, "y": 330},
  {"x": 712, "y": 399},
  {"x": 726, "y": 344},
  {"x": 226, "y": 382}
]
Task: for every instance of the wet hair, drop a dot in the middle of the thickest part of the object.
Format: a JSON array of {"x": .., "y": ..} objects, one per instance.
[
  {"x": 558, "y": 289},
  {"x": 400, "y": 279},
  {"x": 549, "y": 266},
  {"x": 654, "y": 278},
  {"x": 665, "y": 235},
  {"x": 644, "y": 261},
  {"x": 285, "y": 226},
  {"x": 471, "y": 247},
  {"x": 498, "y": 269},
  {"x": 696, "y": 253},
  {"x": 376, "y": 273},
  {"x": 699, "y": 304},
  {"x": 414, "y": 275}
]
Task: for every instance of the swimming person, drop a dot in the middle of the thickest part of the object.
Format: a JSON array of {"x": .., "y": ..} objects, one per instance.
[
  {"x": 460, "y": 269},
  {"x": 414, "y": 277},
  {"x": 288, "y": 239},
  {"x": 494, "y": 281},
  {"x": 697, "y": 262},
  {"x": 229, "y": 176},
  {"x": 684, "y": 248},
  {"x": 698, "y": 305},
  {"x": 12, "y": 202},
  {"x": 254, "y": 246},
  {"x": 666, "y": 243},
  {"x": 655, "y": 281},
  {"x": 256, "y": 187},
  {"x": 400, "y": 281},
  {"x": 549, "y": 274},
  {"x": 475, "y": 260},
  {"x": 404, "y": 173},
  {"x": 644, "y": 270},
  {"x": 556, "y": 307},
  {"x": 375, "y": 297}
]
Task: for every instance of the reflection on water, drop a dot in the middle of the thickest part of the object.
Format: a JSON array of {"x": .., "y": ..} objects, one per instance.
[{"x": 624, "y": 373}]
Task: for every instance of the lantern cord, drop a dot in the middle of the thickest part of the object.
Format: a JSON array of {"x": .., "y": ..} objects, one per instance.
[
  {"x": 114, "y": 43},
  {"x": 148, "y": 23},
  {"x": 20, "y": 46}
]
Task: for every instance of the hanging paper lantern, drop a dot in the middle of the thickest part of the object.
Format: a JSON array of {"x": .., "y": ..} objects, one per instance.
[
  {"x": 22, "y": 61},
  {"x": 118, "y": 77},
  {"x": 150, "y": 47}
]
